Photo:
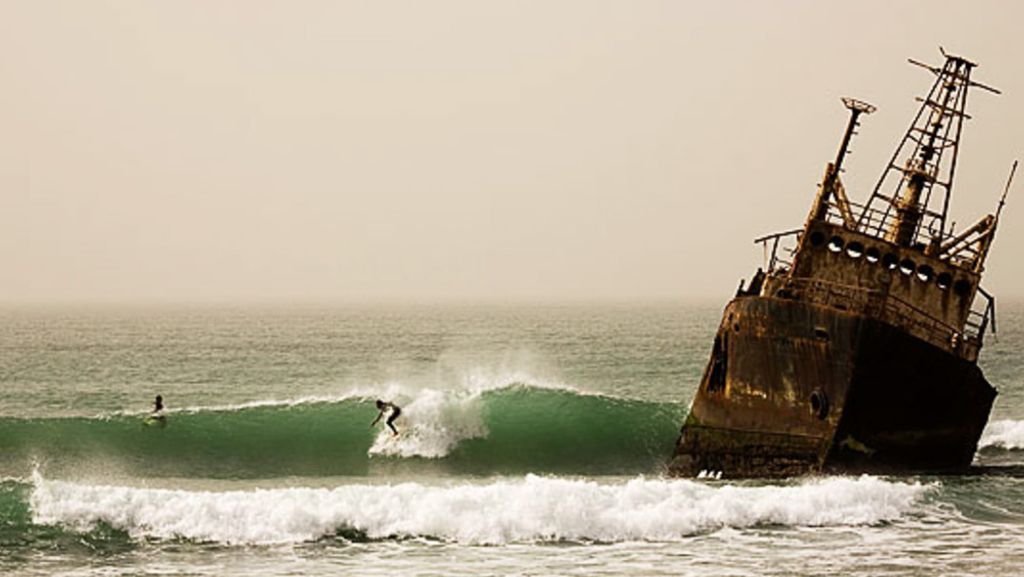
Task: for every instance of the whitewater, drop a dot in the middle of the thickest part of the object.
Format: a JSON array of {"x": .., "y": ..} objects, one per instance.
[
  {"x": 496, "y": 512},
  {"x": 533, "y": 441}
]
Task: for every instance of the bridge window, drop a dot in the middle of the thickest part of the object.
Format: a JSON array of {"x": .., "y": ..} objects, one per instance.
[
  {"x": 854, "y": 250},
  {"x": 872, "y": 255},
  {"x": 925, "y": 273},
  {"x": 962, "y": 287},
  {"x": 817, "y": 239},
  {"x": 944, "y": 280},
  {"x": 836, "y": 244},
  {"x": 890, "y": 261},
  {"x": 907, "y": 266}
]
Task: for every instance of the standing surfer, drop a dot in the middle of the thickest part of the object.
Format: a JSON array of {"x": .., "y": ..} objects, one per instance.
[{"x": 383, "y": 406}]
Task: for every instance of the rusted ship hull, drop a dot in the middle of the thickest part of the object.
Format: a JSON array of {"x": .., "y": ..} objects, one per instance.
[{"x": 794, "y": 387}]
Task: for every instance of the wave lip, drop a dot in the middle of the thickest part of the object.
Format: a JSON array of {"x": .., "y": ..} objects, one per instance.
[
  {"x": 503, "y": 511},
  {"x": 1004, "y": 434}
]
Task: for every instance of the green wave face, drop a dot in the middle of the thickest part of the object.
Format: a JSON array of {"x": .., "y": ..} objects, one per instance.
[
  {"x": 506, "y": 431},
  {"x": 14, "y": 512},
  {"x": 555, "y": 431}
]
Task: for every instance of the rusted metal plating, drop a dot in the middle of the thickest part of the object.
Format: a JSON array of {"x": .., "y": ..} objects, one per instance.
[{"x": 865, "y": 304}]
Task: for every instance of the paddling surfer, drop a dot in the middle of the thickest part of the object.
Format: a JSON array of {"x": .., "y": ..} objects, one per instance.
[{"x": 383, "y": 407}]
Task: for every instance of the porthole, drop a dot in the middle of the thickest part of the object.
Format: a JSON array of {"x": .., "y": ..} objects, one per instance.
[
  {"x": 890, "y": 261},
  {"x": 962, "y": 287},
  {"x": 907, "y": 266},
  {"x": 872, "y": 255},
  {"x": 817, "y": 239},
  {"x": 925, "y": 273},
  {"x": 855, "y": 250},
  {"x": 944, "y": 280},
  {"x": 835, "y": 244}
]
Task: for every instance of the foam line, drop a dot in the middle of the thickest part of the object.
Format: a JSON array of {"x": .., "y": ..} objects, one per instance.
[{"x": 529, "y": 509}]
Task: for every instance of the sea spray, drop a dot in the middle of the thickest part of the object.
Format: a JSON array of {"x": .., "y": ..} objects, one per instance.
[
  {"x": 433, "y": 424},
  {"x": 528, "y": 509}
]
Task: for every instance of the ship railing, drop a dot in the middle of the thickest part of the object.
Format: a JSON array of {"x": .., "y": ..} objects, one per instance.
[
  {"x": 981, "y": 314},
  {"x": 779, "y": 249},
  {"x": 870, "y": 221},
  {"x": 966, "y": 257},
  {"x": 877, "y": 223},
  {"x": 903, "y": 314},
  {"x": 885, "y": 307},
  {"x": 975, "y": 324}
]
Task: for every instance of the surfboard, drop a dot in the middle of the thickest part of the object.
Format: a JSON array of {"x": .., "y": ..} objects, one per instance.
[{"x": 154, "y": 421}]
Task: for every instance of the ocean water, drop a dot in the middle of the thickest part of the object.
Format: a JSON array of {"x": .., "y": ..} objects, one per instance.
[{"x": 534, "y": 441}]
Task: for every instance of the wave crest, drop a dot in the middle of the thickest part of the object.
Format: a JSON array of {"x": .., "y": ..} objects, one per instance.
[{"x": 513, "y": 429}]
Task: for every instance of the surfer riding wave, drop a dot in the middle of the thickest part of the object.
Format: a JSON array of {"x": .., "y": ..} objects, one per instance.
[{"x": 384, "y": 406}]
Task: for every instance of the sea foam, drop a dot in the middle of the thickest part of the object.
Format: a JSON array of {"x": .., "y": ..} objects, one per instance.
[
  {"x": 1004, "y": 434},
  {"x": 501, "y": 511}
]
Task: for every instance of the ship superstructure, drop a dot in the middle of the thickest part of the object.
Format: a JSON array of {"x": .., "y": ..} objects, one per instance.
[{"x": 856, "y": 346}]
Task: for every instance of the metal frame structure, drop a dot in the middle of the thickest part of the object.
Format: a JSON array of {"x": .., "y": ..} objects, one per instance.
[{"x": 933, "y": 137}]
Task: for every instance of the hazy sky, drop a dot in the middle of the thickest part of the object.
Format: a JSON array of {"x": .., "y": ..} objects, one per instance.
[{"x": 482, "y": 150}]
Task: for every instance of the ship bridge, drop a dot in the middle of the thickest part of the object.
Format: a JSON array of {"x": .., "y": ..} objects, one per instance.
[{"x": 896, "y": 257}]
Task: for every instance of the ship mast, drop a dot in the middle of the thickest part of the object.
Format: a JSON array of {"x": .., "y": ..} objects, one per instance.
[
  {"x": 902, "y": 207},
  {"x": 832, "y": 185}
]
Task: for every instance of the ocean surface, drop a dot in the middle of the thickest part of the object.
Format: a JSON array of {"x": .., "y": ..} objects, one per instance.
[{"x": 533, "y": 442}]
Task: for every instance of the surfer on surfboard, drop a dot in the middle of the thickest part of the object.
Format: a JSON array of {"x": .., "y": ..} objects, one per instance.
[
  {"x": 156, "y": 416},
  {"x": 384, "y": 406}
]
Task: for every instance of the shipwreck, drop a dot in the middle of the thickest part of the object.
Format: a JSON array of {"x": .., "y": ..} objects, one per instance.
[{"x": 855, "y": 347}]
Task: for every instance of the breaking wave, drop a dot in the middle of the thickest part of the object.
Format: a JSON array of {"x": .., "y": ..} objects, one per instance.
[
  {"x": 528, "y": 509},
  {"x": 1004, "y": 434},
  {"x": 508, "y": 430}
]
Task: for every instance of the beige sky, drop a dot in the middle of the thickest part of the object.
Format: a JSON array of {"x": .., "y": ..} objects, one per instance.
[{"x": 549, "y": 150}]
